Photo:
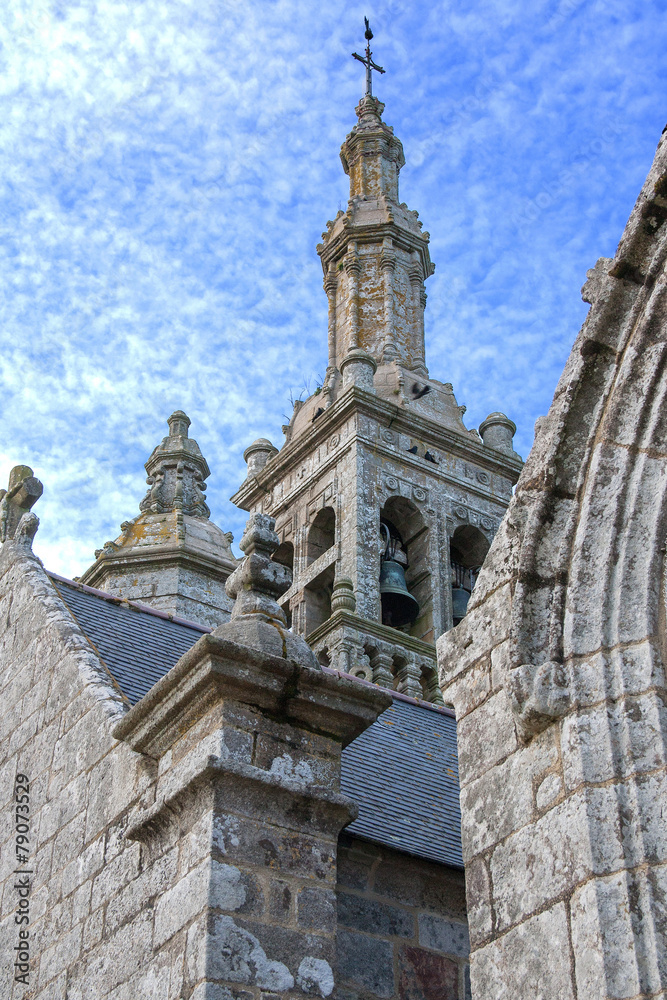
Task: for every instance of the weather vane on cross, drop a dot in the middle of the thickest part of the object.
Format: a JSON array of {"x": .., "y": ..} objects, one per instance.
[{"x": 367, "y": 61}]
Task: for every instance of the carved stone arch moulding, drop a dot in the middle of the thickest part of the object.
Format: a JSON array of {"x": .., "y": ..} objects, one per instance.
[{"x": 593, "y": 505}]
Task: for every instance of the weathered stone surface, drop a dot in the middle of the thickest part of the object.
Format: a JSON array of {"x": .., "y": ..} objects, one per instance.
[
  {"x": 363, "y": 914},
  {"x": 533, "y": 960},
  {"x": 425, "y": 976},
  {"x": 415, "y": 908},
  {"x": 120, "y": 919},
  {"x": 366, "y": 962},
  {"x": 567, "y": 630},
  {"x": 443, "y": 935}
]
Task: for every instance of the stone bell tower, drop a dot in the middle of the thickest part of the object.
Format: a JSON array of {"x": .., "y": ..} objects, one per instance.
[{"x": 382, "y": 497}]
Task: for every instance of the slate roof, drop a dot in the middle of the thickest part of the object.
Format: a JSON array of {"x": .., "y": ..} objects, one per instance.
[
  {"x": 402, "y": 772},
  {"x": 137, "y": 644}
]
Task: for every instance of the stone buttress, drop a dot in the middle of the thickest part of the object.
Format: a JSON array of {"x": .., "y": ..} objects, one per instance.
[
  {"x": 379, "y": 442},
  {"x": 557, "y": 673},
  {"x": 171, "y": 556}
]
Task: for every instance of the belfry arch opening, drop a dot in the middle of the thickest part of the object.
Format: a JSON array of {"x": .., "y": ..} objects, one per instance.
[
  {"x": 284, "y": 555},
  {"x": 467, "y": 552},
  {"x": 406, "y": 524},
  {"x": 317, "y": 593},
  {"x": 321, "y": 535}
]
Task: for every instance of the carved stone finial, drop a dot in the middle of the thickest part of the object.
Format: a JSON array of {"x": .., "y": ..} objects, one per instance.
[
  {"x": 497, "y": 432},
  {"x": 257, "y": 618},
  {"x": 176, "y": 473},
  {"x": 258, "y": 581},
  {"x": 178, "y": 424},
  {"x": 23, "y": 492}
]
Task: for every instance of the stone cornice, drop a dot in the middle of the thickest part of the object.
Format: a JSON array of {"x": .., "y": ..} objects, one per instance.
[
  {"x": 335, "y": 245},
  {"x": 161, "y": 556},
  {"x": 327, "y": 811},
  {"x": 356, "y": 400},
  {"x": 393, "y": 636},
  {"x": 216, "y": 670}
]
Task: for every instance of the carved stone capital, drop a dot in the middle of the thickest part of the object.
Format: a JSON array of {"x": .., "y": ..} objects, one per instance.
[
  {"x": 415, "y": 274},
  {"x": 388, "y": 259},
  {"x": 352, "y": 264}
]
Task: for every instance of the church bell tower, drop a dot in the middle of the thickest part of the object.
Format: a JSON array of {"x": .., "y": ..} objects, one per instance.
[{"x": 385, "y": 503}]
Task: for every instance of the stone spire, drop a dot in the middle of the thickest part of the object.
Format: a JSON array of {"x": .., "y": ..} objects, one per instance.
[
  {"x": 171, "y": 555},
  {"x": 375, "y": 256},
  {"x": 379, "y": 447}
]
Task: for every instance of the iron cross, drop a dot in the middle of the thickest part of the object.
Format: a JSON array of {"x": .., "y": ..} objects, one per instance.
[{"x": 367, "y": 61}]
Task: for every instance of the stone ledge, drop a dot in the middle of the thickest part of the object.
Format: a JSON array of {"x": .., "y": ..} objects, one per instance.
[
  {"x": 217, "y": 669},
  {"x": 289, "y": 800},
  {"x": 375, "y": 629}
]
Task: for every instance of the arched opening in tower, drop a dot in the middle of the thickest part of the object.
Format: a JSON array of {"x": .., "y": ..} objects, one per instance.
[
  {"x": 406, "y": 525},
  {"x": 322, "y": 534},
  {"x": 467, "y": 551}
]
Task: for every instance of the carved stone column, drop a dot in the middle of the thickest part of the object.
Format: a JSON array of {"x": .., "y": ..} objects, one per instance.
[
  {"x": 388, "y": 266},
  {"x": 408, "y": 679},
  {"x": 331, "y": 288},
  {"x": 381, "y": 664},
  {"x": 353, "y": 270},
  {"x": 417, "y": 305}
]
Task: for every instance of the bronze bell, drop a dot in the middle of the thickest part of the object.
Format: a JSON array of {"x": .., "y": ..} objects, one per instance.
[
  {"x": 460, "y": 598},
  {"x": 399, "y": 607}
]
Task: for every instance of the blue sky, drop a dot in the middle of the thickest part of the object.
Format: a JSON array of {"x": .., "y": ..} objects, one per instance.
[{"x": 168, "y": 167}]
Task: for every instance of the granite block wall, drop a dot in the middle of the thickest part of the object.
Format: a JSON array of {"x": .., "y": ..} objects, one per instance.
[{"x": 402, "y": 929}]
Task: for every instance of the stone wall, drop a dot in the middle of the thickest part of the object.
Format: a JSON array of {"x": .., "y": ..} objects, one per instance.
[
  {"x": 87, "y": 883},
  {"x": 402, "y": 930}
]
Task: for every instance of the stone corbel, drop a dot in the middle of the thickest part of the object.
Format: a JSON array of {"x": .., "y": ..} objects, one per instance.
[{"x": 539, "y": 695}]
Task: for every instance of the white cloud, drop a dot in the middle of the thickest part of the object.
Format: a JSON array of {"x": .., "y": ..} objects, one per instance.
[{"x": 167, "y": 167}]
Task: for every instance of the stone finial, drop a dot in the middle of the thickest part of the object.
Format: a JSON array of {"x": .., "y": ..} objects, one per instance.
[
  {"x": 497, "y": 432},
  {"x": 258, "y": 454},
  {"x": 178, "y": 424},
  {"x": 176, "y": 473},
  {"x": 23, "y": 492},
  {"x": 342, "y": 596},
  {"x": 257, "y": 618}
]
